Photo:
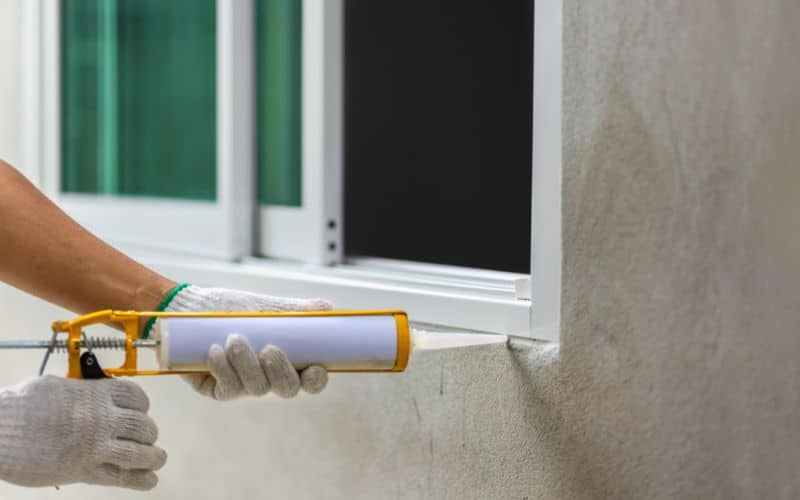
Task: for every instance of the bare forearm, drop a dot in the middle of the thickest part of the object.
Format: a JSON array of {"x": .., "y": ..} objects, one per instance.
[{"x": 46, "y": 253}]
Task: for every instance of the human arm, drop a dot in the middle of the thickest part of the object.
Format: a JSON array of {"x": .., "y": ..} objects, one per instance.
[
  {"x": 46, "y": 253},
  {"x": 49, "y": 255}
]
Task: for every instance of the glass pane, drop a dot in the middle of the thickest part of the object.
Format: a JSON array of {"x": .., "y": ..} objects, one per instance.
[
  {"x": 279, "y": 91},
  {"x": 138, "y": 97},
  {"x": 438, "y": 131}
]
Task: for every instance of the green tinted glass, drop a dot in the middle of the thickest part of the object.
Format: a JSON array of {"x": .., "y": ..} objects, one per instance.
[
  {"x": 278, "y": 50},
  {"x": 138, "y": 97}
]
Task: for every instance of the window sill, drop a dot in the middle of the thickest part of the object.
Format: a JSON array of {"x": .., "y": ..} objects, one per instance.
[{"x": 478, "y": 305}]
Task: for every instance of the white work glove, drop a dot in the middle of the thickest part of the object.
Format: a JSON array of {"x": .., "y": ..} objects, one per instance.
[
  {"x": 56, "y": 431},
  {"x": 236, "y": 370}
]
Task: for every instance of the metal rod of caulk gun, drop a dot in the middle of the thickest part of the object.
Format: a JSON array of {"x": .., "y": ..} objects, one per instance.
[{"x": 61, "y": 344}]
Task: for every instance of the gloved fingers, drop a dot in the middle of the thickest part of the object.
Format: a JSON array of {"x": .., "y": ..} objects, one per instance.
[
  {"x": 282, "y": 376},
  {"x": 126, "y": 394},
  {"x": 204, "y": 384},
  {"x": 228, "y": 385},
  {"x": 113, "y": 475},
  {"x": 314, "y": 379},
  {"x": 132, "y": 455},
  {"x": 135, "y": 426},
  {"x": 246, "y": 365}
]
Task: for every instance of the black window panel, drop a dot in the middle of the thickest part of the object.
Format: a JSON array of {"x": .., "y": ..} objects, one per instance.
[{"x": 438, "y": 131}]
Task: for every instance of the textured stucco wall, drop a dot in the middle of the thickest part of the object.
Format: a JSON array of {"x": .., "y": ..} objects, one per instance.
[
  {"x": 677, "y": 375},
  {"x": 680, "y": 335}
]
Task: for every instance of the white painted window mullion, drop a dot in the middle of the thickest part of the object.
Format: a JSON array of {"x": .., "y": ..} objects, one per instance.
[
  {"x": 545, "y": 286},
  {"x": 236, "y": 176},
  {"x": 50, "y": 64},
  {"x": 31, "y": 80},
  {"x": 312, "y": 233}
]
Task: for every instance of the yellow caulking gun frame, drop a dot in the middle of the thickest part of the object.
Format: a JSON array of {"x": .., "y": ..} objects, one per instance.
[{"x": 130, "y": 320}]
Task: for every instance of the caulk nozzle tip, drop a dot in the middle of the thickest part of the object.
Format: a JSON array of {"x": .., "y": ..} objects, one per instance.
[{"x": 432, "y": 341}]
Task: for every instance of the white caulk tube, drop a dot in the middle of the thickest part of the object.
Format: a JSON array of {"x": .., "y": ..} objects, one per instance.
[{"x": 337, "y": 340}]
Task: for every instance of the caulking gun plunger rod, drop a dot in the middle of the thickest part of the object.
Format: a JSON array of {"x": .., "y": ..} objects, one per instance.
[
  {"x": 61, "y": 345},
  {"x": 94, "y": 343}
]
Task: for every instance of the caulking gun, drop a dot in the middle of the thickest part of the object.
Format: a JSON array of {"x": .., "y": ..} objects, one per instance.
[{"x": 340, "y": 341}]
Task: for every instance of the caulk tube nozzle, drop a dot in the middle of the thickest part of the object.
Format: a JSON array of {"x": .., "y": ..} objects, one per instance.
[
  {"x": 434, "y": 341},
  {"x": 339, "y": 341}
]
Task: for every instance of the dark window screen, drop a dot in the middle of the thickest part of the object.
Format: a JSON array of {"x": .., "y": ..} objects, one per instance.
[{"x": 438, "y": 131}]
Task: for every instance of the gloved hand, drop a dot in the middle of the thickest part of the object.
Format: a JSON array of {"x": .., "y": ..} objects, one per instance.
[
  {"x": 56, "y": 431},
  {"x": 235, "y": 369}
]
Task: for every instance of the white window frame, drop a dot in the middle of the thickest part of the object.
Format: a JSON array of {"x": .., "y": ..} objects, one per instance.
[
  {"x": 322, "y": 150},
  {"x": 222, "y": 228},
  {"x": 546, "y": 256},
  {"x": 524, "y": 305}
]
